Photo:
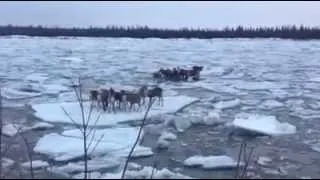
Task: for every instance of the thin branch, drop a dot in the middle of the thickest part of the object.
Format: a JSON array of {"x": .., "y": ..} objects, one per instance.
[
  {"x": 1, "y": 125},
  {"x": 154, "y": 166},
  {"x": 247, "y": 163},
  {"x": 73, "y": 121},
  {"x": 238, "y": 162},
  {"x": 94, "y": 124},
  {"x": 137, "y": 139},
  {"x": 98, "y": 142},
  {"x": 29, "y": 151},
  {"x": 92, "y": 138},
  {"x": 89, "y": 115}
]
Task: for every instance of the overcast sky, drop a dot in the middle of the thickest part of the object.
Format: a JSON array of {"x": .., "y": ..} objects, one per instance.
[{"x": 164, "y": 14}]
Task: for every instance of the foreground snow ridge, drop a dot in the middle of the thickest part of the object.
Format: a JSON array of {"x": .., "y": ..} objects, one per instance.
[
  {"x": 211, "y": 162},
  {"x": 263, "y": 124},
  {"x": 52, "y": 112}
]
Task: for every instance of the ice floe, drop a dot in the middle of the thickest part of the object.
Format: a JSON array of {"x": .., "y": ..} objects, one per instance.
[
  {"x": 213, "y": 118},
  {"x": 211, "y": 162},
  {"x": 264, "y": 161},
  {"x": 6, "y": 162},
  {"x": 41, "y": 126},
  {"x": 146, "y": 173},
  {"x": 227, "y": 104},
  {"x": 95, "y": 164},
  {"x": 37, "y": 77},
  {"x": 165, "y": 139},
  {"x": 14, "y": 94},
  {"x": 52, "y": 112},
  {"x": 116, "y": 142},
  {"x": 35, "y": 164},
  {"x": 270, "y": 104},
  {"x": 263, "y": 124}
]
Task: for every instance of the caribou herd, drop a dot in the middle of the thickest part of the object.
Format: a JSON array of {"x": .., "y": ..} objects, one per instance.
[
  {"x": 112, "y": 100},
  {"x": 178, "y": 74}
]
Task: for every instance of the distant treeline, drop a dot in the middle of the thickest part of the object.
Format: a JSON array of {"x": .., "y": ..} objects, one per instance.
[{"x": 287, "y": 32}]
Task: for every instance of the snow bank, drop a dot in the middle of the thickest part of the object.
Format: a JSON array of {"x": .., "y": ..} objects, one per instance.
[
  {"x": 116, "y": 142},
  {"x": 263, "y": 124},
  {"x": 211, "y": 162},
  {"x": 227, "y": 104},
  {"x": 53, "y": 112}
]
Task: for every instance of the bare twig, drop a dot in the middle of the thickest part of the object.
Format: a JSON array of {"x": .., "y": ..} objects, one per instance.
[
  {"x": 154, "y": 166},
  {"x": 73, "y": 121},
  {"x": 247, "y": 163},
  {"x": 95, "y": 123},
  {"x": 238, "y": 162},
  {"x": 98, "y": 142},
  {"x": 137, "y": 140},
  {"x": 1, "y": 124},
  {"x": 29, "y": 150},
  {"x": 84, "y": 127}
]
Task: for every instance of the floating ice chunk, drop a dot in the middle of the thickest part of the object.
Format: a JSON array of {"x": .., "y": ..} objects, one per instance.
[
  {"x": 263, "y": 124},
  {"x": 35, "y": 164},
  {"x": 213, "y": 118},
  {"x": 13, "y": 94},
  {"x": 148, "y": 171},
  {"x": 163, "y": 144},
  {"x": 112, "y": 175},
  {"x": 7, "y": 162},
  {"x": 211, "y": 162},
  {"x": 181, "y": 124},
  {"x": 271, "y": 171},
  {"x": 12, "y": 129},
  {"x": 91, "y": 175},
  {"x": 227, "y": 104},
  {"x": 133, "y": 166},
  {"x": 270, "y": 104},
  {"x": 41, "y": 126},
  {"x": 53, "y": 112},
  {"x": 315, "y": 79},
  {"x": 264, "y": 161},
  {"x": 73, "y": 59},
  {"x": 168, "y": 136},
  {"x": 164, "y": 140},
  {"x": 93, "y": 165},
  {"x": 262, "y": 85},
  {"x": 37, "y": 77},
  {"x": 141, "y": 151},
  {"x": 116, "y": 142},
  {"x": 316, "y": 147},
  {"x": 55, "y": 88}
]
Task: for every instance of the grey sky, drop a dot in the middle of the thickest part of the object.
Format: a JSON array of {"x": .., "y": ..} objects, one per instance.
[{"x": 160, "y": 14}]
